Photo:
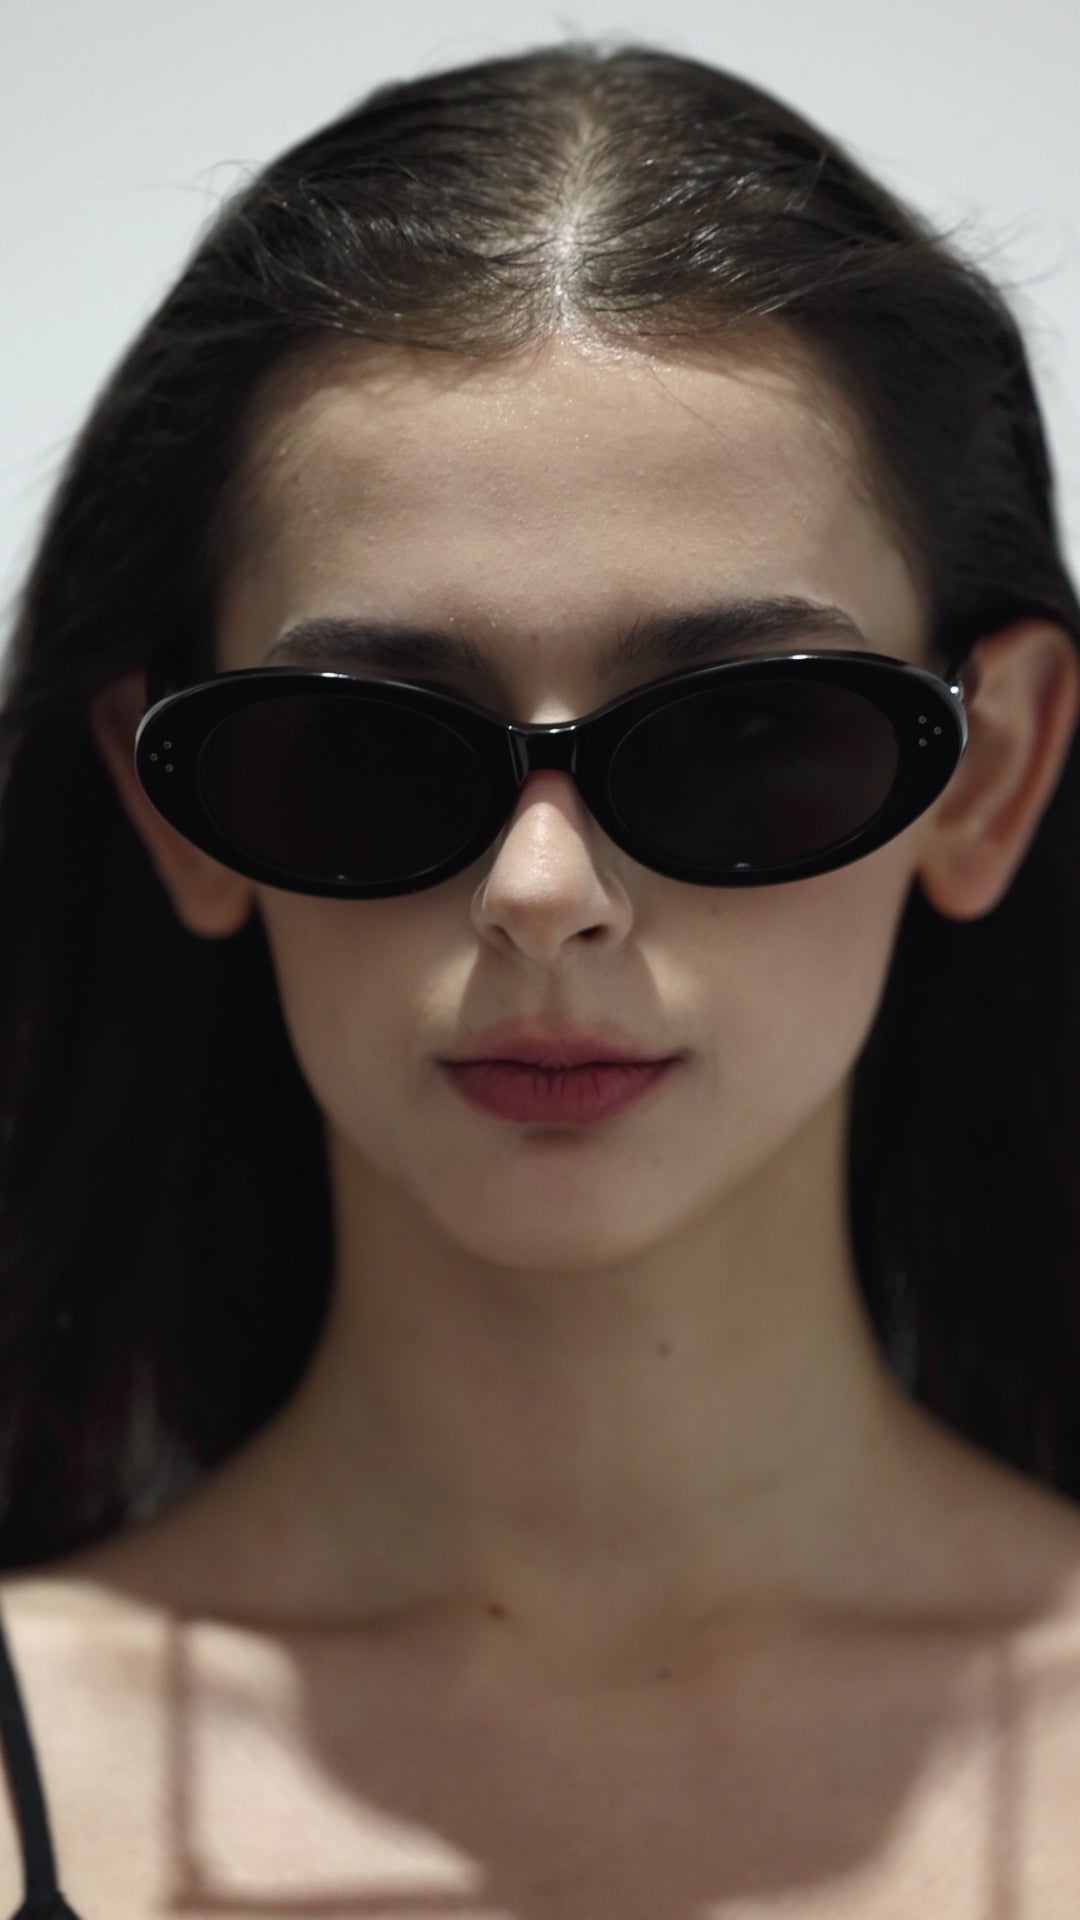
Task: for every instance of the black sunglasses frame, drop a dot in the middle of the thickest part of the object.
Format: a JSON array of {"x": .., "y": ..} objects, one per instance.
[{"x": 926, "y": 713}]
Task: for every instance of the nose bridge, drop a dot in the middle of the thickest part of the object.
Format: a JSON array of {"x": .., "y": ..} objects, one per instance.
[{"x": 538, "y": 749}]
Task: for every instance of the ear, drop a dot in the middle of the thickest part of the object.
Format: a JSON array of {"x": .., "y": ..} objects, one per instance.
[
  {"x": 208, "y": 898},
  {"x": 1022, "y": 717}
]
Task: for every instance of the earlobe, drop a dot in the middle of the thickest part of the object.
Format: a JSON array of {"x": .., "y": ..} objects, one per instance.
[
  {"x": 1022, "y": 725},
  {"x": 207, "y": 897}
]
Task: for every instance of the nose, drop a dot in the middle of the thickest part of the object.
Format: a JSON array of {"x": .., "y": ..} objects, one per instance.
[
  {"x": 550, "y": 814},
  {"x": 549, "y": 877}
]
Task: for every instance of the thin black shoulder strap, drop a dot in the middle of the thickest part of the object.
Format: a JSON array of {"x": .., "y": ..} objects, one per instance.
[{"x": 43, "y": 1896}]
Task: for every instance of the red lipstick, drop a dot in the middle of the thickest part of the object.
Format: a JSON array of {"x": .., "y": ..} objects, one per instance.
[
  {"x": 555, "y": 1094},
  {"x": 569, "y": 1076}
]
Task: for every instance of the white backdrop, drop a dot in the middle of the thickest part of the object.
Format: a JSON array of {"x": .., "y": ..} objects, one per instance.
[{"x": 125, "y": 121}]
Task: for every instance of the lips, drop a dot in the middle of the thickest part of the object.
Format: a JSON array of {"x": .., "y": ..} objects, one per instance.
[
  {"x": 512, "y": 1090},
  {"x": 567, "y": 1048}
]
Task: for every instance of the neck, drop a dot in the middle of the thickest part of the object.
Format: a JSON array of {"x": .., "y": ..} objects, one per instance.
[{"x": 599, "y": 1455}]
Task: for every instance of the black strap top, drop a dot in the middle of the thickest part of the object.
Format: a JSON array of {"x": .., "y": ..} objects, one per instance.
[{"x": 44, "y": 1900}]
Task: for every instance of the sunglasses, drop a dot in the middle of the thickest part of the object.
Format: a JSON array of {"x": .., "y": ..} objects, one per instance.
[{"x": 746, "y": 774}]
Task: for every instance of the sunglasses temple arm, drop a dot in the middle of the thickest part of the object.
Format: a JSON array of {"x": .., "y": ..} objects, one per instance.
[
  {"x": 159, "y": 682},
  {"x": 961, "y": 670}
]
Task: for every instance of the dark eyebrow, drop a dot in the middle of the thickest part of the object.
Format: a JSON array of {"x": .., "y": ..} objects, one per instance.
[{"x": 732, "y": 626}]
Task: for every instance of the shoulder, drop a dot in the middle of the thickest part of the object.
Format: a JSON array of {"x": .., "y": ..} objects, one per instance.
[
  {"x": 67, "y": 1631},
  {"x": 88, "y": 1666},
  {"x": 982, "y": 1664}
]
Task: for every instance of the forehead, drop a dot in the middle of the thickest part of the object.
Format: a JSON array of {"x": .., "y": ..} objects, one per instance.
[{"x": 563, "y": 491}]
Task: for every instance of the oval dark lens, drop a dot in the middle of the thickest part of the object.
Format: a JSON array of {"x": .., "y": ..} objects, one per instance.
[
  {"x": 754, "y": 776},
  {"x": 341, "y": 788}
]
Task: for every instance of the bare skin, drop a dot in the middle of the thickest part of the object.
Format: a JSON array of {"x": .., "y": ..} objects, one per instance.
[
  {"x": 598, "y": 1566},
  {"x": 851, "y": 1770}
]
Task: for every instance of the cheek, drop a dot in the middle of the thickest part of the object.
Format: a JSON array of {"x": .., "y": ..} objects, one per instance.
[
  {"x": 346, "y": 987},
  {"x": 791, "y": 977},
  {"x": 824, "y": 961}
]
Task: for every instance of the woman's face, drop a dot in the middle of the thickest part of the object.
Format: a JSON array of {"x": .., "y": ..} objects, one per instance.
[{"x": 537, "y": 508}]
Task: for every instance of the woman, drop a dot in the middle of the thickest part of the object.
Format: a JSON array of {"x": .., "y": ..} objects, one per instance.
[{"x": 568, "y": 572}]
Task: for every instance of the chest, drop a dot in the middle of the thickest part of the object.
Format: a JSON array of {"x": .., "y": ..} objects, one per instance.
[{"x": 854, "y": 1789}]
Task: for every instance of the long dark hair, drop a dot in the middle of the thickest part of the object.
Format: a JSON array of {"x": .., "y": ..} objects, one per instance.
[{"x": 165, "y": 1232}]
